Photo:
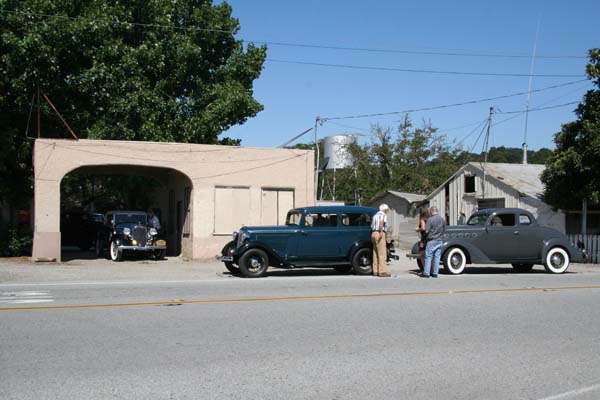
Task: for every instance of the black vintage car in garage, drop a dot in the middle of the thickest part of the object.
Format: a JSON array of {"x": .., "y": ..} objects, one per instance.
[
  {"x": 129, "y": 232},
  {"x": 505, "y": 236},
  {"x": 80, "y": 228}
]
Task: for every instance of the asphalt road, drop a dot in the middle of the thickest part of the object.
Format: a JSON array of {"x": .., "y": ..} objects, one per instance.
[{"x": 192, "y": 332}]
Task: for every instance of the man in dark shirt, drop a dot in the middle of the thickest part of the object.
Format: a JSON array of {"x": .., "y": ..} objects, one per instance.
[{"x": 435, "y": 228}]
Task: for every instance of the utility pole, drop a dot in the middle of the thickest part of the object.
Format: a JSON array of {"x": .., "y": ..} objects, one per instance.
[
  {"x": 537, "y": 32},
  {"x": 486, "y": 145},
  {"x": 317, "y": 156}
]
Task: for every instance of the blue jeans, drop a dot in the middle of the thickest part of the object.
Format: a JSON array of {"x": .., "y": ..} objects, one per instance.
[{"x": 433, "y": 252}]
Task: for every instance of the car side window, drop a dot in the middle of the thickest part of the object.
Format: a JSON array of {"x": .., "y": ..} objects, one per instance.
[
  {"x": 320, "y": 220},
  {"x": 500, "y": 220},
  {"x": 524, "y": 219},
  {"x": 356, "y": 219}
]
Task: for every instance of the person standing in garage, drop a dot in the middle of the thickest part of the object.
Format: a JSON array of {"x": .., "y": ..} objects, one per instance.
[
  {"x": 378, "y": 227},
  {"x": 153, "y": 220}
]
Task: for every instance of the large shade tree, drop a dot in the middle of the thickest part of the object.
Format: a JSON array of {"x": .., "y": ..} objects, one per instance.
[
  {"x": 572, "y": 173},
  {"x": 133, "y": 70}
]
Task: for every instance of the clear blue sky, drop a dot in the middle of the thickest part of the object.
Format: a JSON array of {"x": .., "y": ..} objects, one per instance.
[{"x": 294, "y": 94}]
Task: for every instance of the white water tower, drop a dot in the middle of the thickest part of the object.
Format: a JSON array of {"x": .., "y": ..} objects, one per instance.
[{"x": 336, "y": 149}]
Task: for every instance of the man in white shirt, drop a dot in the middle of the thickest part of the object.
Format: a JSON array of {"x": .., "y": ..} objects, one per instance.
[
  {"x": 378, "y": 228},
  {"x": 153, "y": 220}
]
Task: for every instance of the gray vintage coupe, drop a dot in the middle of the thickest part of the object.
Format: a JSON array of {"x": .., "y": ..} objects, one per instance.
[{"x": 505, "y": 236}]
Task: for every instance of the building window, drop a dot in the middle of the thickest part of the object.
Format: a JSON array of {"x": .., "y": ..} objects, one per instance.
[
  {"x": 469, "y": 184},
  {"x": 490, "y": 203}
]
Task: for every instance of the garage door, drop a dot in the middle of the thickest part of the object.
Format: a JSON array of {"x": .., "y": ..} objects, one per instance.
[
  {"x": 275, "y": 205},
  {"x": 232, "y": 208}
]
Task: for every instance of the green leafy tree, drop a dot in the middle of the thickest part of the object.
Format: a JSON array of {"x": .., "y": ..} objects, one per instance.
[
  {"x": 147, "y": 70},
  {"x": 572, "y": 173},
  {"x": 411, "y": 159}
]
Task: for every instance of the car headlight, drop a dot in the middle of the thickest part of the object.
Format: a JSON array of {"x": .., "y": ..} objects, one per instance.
[
  {"x": 153, "y": 231},
  {"x": 242, "y": 237},
  {"x": 126, "y": 231}
]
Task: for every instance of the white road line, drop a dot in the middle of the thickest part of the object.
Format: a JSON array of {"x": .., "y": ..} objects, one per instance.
[
  {"x": 572, "y": 393},
  {"x": 261, "y": 280},
  {"x": 25, "y": 297},
  {"x": 28, "y": 301}
]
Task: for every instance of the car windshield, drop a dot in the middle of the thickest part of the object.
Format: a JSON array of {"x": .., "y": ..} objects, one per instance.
[
  {"x": 293, "y": 218},
  {"x": 478, "y": 219},
  {"x": 130, "y": 218}
]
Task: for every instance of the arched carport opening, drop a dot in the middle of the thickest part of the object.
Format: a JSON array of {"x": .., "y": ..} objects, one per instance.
[{"x": 88, "y": 192}]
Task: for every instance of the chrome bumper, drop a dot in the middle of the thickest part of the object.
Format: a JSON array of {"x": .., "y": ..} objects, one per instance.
[{"x": 142, "y": 248}]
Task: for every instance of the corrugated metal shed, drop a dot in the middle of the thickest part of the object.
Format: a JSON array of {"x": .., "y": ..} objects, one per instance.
[
  {"x": 525, "y": 178},
  {"x": 411, "y": 197}
]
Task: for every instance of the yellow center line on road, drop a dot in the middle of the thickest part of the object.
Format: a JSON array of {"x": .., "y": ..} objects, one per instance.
[{"x": 289, "y": 298}]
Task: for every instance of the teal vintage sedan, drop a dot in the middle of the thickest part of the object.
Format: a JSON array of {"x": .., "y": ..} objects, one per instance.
[{"x": 336, "y": 237}]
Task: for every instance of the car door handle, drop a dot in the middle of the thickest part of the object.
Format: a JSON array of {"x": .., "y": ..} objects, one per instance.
[
  {"x": 516, "y": 232},
  {"x": 303, "y": 233}
]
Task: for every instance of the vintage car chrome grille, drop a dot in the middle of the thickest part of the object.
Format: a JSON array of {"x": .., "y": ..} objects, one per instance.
[{"x": 139, "y": 235}]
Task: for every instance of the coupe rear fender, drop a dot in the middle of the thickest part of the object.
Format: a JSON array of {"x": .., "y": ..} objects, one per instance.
[{"x": 574, "y": 254}]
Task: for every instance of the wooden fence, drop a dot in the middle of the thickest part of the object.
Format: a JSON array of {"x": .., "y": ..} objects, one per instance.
[{"x": 592, "y": 246}]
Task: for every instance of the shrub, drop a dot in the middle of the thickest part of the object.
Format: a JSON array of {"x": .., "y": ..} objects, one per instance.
[{"x": 15, "y": 240}]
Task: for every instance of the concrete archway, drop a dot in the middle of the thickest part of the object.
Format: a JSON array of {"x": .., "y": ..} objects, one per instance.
[{"x": 169, "y": 197}]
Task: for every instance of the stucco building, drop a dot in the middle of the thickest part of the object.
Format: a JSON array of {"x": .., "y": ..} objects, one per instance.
[{"x": 206, "y": 192}]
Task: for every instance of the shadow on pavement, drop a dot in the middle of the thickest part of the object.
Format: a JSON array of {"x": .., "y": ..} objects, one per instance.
[
  {"x": 491, "y": 270},
  {"x": 293, "y": 272}
]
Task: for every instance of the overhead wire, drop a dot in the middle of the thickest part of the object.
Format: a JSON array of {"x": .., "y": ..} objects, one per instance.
[
  {"x": 415, "y": 52},
  {"x": 452, "y": 104},
  {"x": 447, "y": 52},
  {"x": 114, "y": 22},
  {"x": 479, "y": 136},
  {"x": 296, "y": 137},
  {"x": 539, "y": 108},
  {"x": 422, "y": 71}
]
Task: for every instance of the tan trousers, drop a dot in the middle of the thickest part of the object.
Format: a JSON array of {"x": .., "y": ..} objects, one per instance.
[{"x": 379, "y": 252}]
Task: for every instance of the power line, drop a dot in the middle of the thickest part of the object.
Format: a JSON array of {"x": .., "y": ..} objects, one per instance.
[
  {"x": 479, "y": 125},
  {"x": 421, "y": 71},
  {"x": 297, "y": 137},
  {"x": 452, "y": 52},
  {"x": 480, "y": 133},
  {"x": 539, "y": 108},
  {"x": 350, "y": 126},
  {"x": 109, "y": 21},
  {"x": 402, "y": 51},
  {"x": 453, "y": 104}
]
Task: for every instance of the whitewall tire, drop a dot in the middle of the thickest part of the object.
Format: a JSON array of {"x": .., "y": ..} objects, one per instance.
[
  {"x": 116, "y": 254},
  {"x": 455, "y": 261},
  {"x": 557, "y": 260}
]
